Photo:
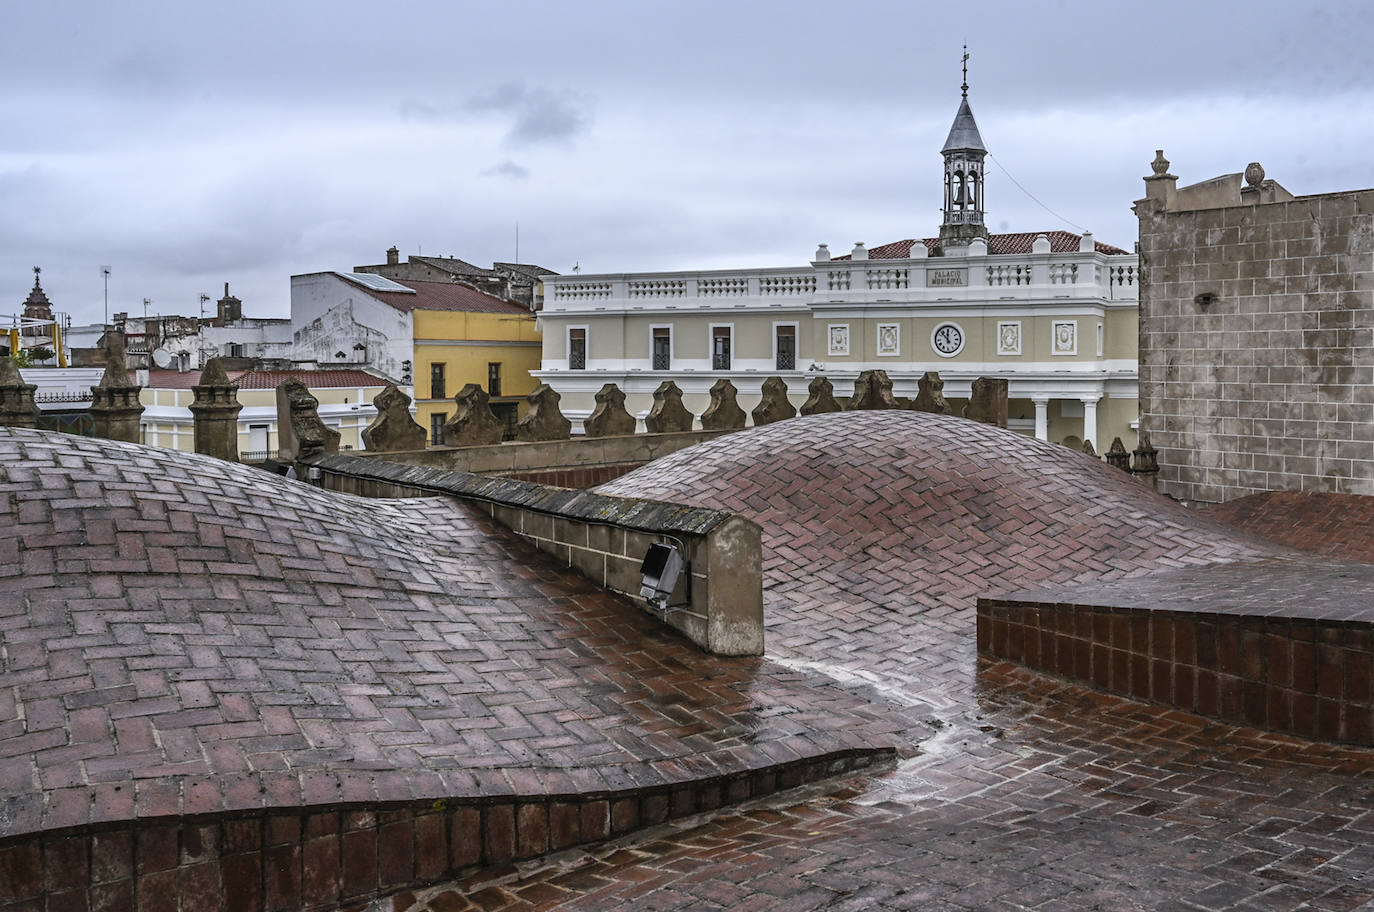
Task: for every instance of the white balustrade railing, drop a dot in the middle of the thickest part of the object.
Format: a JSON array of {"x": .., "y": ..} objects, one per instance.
[
  {"x": 1123, "y": 275},
  {"x": 657, "y": 288},
  {"x": 722, "y": 287},
  {"x": 581, "y": 291},
  {"x": 837, "y": 280},
  {"x": 1063, "y": 273},
  {"x": 883, "y": 278},
  {"x": 787, "y": 285},
  {"x": 1009, "y": 274}
]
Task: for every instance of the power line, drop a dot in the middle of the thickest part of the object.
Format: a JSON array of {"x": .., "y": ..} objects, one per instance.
[{"x": 1081, "y": 229}]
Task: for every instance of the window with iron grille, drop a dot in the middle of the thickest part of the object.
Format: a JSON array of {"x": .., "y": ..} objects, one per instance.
[
  {"x": 720, "y": 348},
  {"x": 787, "y": 347},
  {"x": 663, "y": 348},
  {"x": 436, "y": 428},
  {"x": 577, "y": 348},
  {"x": 494, "y": 378},
  {"x": 436, "y": 381}
]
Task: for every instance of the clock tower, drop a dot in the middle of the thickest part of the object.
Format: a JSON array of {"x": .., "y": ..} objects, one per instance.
[{"x": 963, "y": 153}]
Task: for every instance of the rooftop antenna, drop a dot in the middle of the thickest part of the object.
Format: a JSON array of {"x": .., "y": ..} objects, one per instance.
[
  {"x": 577, "y": 267},
  {"x": 964, "y": 87},
  {"x": 105, "y": 271},
  {"x": 146, "y": 302},
  {"x": 203, "y": 298},
  {"x": 517, "y": 242}
]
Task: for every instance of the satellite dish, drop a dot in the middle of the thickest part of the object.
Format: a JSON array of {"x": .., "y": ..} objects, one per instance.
[{"x": 162, "y": 357}]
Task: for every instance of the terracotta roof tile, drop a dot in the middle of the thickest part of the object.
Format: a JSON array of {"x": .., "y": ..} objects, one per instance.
[
  {"x": 1019, "y": 242},
  {"x": 340, "y": 378}
]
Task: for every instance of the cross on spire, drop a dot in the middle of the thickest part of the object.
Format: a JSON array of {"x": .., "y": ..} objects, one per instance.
[{"x": 964, "y": 87}]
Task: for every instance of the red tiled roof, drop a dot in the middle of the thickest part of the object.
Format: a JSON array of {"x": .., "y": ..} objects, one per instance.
[
  {"x": 1019, "y": 242},
  {"x": 325, "y": 378},
  {"x": 442, "y": 296},
  {"x": 340, "y": 378}
]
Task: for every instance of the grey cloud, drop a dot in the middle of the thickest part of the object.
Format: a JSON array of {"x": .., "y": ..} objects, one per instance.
[
  {"x": 540, "y": 115},
  {"x": 508, "y": 168}
]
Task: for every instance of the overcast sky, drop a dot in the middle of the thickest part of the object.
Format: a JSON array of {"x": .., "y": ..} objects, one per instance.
[{"x": 187, "y": 145}]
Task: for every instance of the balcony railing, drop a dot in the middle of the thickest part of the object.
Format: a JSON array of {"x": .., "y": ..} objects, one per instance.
[{"x": 1078, "y": 274}]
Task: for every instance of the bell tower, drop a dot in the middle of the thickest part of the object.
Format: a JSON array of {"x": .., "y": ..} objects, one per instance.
[{"x": 963, "y": 153}]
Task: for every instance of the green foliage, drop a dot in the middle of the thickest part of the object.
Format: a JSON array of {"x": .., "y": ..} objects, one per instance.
[{"x": 41, "y": 354}]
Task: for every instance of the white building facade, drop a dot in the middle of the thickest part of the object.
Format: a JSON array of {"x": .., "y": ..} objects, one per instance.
[{"x": 1054, "y": 313}]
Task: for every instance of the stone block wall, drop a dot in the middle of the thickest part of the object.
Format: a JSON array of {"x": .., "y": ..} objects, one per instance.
[{"x": 1257, "y": 342}]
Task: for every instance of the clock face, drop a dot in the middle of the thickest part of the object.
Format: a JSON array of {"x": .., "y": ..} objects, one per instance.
[{"x": 948, "y": 339}]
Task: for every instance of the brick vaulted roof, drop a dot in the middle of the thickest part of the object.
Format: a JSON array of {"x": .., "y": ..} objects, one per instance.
[
  {"x": 442, "y": 296},
  {"x": 1018, "y": 242},
  {"x": 181, "y": 635}
]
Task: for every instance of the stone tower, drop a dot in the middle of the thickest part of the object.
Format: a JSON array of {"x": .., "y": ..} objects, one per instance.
[
  {"x": 963, "y": 153},
  {"x": 37, "y": 306}
]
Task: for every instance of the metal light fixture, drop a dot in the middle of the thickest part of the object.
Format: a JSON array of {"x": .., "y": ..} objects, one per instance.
[{"x": 661, "y": 567}]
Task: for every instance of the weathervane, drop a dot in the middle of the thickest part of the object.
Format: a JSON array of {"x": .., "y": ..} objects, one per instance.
[{"x": 965, "y": 85}]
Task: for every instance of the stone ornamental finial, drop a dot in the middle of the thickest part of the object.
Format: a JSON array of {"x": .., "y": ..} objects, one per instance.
[
  {"x": 1254, "y": 174},
  {"x": 1161, "y": 164},
  {"x": 472, "y": 422},
  {"x": 215, "y": 411},
  {"x": 930, "y": 395},
  {"x": 773, "y": 404},
  {"x": 609, "y": 418},
  {"x": 1117, "y": 455},
  {"x": 821, "y": 399},
  {"x": 724, "y": 413},
  {"x": 393, "y": 429},
  {"x": 964, "y": 87},
  {"x": 543, "y": 420},
  {"x": 872, "y": 391},
  {"x": 668, "y": 415},
  {"x": 17, "y": 406}
]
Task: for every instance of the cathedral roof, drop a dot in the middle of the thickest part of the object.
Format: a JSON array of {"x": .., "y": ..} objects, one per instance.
[
  {"x": 963, "y": 135},
  {"x": 37, "y": 303}
]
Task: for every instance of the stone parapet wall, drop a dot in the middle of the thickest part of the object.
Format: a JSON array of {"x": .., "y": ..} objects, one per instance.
[
  {"x": 517, "y": 458},
  {"x": 340, "y": 854},
  {"x": 1257, "y": 345},
  {"x": 718, "y": 601}
]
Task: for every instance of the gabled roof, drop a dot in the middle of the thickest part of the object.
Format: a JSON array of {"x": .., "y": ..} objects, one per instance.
[
  {"x": 440, "y": 296},
  {"x": 963, "y": 135},
  {"x": 1019, "y": 242},
  {"x": 528, "y": 269},
  {"x": 454, "y": 265}
]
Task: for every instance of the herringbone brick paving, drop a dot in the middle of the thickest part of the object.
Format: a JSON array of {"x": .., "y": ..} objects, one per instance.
[
  {"x": 180, "y": 635},
  {"x": 880, "y": 528}
]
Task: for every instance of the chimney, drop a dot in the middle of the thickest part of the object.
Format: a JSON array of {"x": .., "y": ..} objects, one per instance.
[{"x": 393, "y": 256}]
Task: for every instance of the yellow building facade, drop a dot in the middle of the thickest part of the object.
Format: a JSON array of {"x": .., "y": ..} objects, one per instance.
[{"x": 497, "y": 351}]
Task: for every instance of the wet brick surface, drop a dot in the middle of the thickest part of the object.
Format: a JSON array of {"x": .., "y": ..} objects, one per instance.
[{"x": 1035, "y": 793}]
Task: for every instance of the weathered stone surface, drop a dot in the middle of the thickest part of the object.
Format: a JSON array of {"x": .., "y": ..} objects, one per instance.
[
  {"x": 215, "y": 410},
  {"x": 393, "y": 428},
  {"x": 988, "y": 402},
  {"x": 872, "y": 391},
  {"x": 930, "y": 395},
  {"x": 1117, "y": 456},
  {"x": 609, "y": 418},
  {"x": 115, "y": 408},
  {"x": 774, "y": 406},
  {"x": 1088, "y": 449},
  {"x": 544, "y": 420},
  {"x": 1146, "y": 461},
  {"x": 724, "y": 413},
  {"x": 300, "y": 431},
  {"x": 668, "y": 414},
  {"x": 473, "y": 423},
  {"x": 820, "y": 398},
  {"x": 17, "y": 406},
  {"x": 1256, "y": 322}
]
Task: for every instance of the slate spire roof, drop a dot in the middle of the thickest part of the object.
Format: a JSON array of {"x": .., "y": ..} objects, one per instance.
[
  {"x": 37, "y": 305},
  {"x": 963, "y": 135}
]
